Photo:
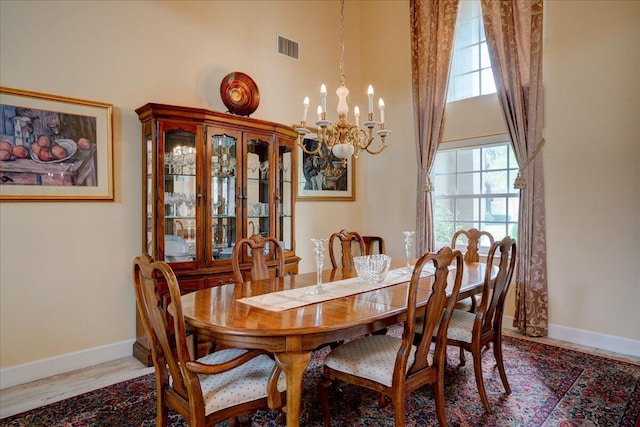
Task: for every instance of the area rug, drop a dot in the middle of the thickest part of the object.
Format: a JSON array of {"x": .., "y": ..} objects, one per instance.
[{"x": 551, "y": 386}]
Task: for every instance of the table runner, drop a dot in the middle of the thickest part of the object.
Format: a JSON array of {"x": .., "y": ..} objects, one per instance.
[{"x": 294, "y": 298}]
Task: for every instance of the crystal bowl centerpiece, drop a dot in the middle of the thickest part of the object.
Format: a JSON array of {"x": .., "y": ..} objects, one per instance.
[{"x": 372, "y": 268}]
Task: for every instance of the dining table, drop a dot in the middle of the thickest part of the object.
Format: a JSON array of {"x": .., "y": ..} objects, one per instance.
[{"x": 285, "y": 316}]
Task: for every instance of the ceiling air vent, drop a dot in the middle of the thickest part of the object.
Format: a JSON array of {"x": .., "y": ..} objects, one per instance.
[{"x": 289, "y": 48}]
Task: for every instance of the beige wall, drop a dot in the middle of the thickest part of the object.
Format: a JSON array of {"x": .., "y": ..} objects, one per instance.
[{"x": 65, "y": 284}]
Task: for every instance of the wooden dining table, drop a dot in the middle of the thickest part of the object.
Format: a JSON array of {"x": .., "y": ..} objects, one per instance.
[{"x": 292, "y": 335}]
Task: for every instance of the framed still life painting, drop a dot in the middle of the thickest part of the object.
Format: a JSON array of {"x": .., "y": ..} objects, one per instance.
[
  {"x": 323, "y": 176},
  {"x": 54, "y": 148}
]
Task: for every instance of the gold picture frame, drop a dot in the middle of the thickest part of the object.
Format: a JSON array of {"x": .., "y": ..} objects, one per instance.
[
  {"x": 54, "y": 148},
  {"x": 324, "y": 177}
]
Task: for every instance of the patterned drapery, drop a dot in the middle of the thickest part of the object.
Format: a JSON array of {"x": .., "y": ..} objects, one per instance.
[
  {"x": 514, "y": 38},
  {"x": 432, "y": 34}
]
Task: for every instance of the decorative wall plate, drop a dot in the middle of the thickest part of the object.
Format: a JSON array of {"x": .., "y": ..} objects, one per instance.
[{"x": 239, "y": 93}]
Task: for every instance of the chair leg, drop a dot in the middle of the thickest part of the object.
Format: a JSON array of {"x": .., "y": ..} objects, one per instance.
[
  {"x": 477, "y": 368},
  {"x": 162, "y": 413},
  {"x": 497, "y": 351},
  {"x": 438, "y": 392},
  {"x": 463, "y": 360},
  {"x": 398, "y": 409},
  {"x": 323, "y": 394}
]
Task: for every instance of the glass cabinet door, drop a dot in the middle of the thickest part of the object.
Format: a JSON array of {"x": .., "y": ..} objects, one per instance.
[
  {"x": 258, "y": 173},
  {"x": 148, "y": 191},
  {"x": 179, "y": 194},
  {"x": 223, "y": 155},
  {"x": 285, "y": 194}
]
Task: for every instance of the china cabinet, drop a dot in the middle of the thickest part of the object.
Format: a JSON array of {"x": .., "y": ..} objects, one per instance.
[{"x": 210, "y": 179}]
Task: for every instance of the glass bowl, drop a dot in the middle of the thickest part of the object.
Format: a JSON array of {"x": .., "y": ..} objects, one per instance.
[{"x": 372, "y": 268}]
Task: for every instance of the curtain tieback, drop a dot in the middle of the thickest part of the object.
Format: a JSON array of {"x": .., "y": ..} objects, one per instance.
[
  {"x": 521, "y": 183},
  {"x": 427, "y": 186}
]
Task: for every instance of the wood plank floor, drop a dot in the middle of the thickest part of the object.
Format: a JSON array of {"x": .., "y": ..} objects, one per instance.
[{"x": 42, "y": 392}]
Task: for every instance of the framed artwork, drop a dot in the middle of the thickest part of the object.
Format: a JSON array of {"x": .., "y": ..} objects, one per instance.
[
  {"x": 324, "y": 176},
  {"x": 54, "y": 148}
]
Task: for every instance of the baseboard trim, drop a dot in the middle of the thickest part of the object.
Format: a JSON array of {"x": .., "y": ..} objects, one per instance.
[
  {"x": 38, "y": 369},
  {"x": 606, "y": 342},
  {"x": 31, "y": 371}
]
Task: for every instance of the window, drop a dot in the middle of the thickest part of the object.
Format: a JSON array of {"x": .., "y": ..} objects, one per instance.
[
  {"x": 474, "y": 189},
  {"x": 471, "y": 73}
]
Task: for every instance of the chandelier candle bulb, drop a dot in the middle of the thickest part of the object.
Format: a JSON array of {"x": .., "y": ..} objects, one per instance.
[
  {"x": 370, "y": 94},
  {"x": 356, "y": 113},
  {"x": 306, "y": 109},
  {"x": 381, "y": 106},
  {"x": 323, "y": 97},
  {"x": 319, "y": 112}
]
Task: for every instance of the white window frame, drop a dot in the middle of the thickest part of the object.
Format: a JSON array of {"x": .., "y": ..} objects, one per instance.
[{"x": 478, "y": 222}]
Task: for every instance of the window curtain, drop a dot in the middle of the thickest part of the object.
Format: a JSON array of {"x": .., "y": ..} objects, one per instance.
[
  {"x": 433, "y": 24},
  {"x": 514, "y": 38}
]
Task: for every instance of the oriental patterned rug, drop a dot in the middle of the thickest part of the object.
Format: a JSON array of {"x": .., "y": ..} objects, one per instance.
[{"x": 551, "y": 386}]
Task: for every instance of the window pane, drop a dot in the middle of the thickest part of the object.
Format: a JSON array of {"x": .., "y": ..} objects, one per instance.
[
  {"x": 514, "y": 208},
  {"x": 496, "y": 210},
  {"x": 467, "y": 59},
  {"x": 497, "y": 231},
  {"x": 468, "y": 160},
  {"x": 445, "y": 184},
  {"x": 488, "y": 84},
  {"x": 467, "y": 210},
  {"x": 494, "y": 182},
  {"x": 469, "y": 183},
  {"x": 495, "y": 157},
  {"x": 485, "y": 62},
  {"x": 445, "y": 162}
]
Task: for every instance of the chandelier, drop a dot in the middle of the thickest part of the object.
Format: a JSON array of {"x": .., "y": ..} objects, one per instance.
[{"x": 343, "y": 138}]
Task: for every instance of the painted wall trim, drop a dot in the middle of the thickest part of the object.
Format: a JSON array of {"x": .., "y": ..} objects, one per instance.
[
  {"x": 606, "y": 342},
  {"x": 27, "y": 372},
  {"x": 43, "y": 368}
]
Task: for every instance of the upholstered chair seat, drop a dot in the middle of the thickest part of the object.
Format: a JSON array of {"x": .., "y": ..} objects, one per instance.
[
  {"x": 245, "y": 383},
  {"x": 372, "y": 358}
]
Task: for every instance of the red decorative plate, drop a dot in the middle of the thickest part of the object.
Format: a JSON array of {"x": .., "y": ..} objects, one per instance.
[{"x": 239, "y": 93}]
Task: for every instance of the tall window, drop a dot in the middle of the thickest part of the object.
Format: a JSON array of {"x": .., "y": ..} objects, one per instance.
[
  {"x": 471, "y": 73},
  {"x": 474, "y": 189}
]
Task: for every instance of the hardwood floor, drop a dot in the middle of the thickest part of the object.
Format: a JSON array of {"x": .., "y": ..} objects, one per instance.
[
  {"x": 42, "y": 392},
  {"x": 24, "y": 397}
]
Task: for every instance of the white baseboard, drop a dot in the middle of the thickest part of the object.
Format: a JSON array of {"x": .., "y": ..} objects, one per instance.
[
  {"x": 27, "y": 372},
  {"x": 38, "y": 369},
  {"x": 606, "y": 342}
]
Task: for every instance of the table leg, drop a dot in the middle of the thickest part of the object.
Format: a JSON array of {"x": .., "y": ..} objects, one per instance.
[{"x": 293, "y": 364}]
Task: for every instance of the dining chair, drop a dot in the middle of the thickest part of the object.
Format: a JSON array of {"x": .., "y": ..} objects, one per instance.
[
  {"x": 222, "y": 385},
  {"x": 473, "y": 331},
  {"x": 396, "y": 366},
  {"x": 262, "y": 249},
  {"x": 351, "y": 242},
  {"x": 473, "y": 237},
  {"x": 374, "y": 245}
]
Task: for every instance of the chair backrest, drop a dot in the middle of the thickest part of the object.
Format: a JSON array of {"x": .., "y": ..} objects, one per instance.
[
  {"x": 370, "y": 243},
  {"x": 350, "y": 243},
  {"x": 473, "y": 236},
  {"x": 494, "y": 292},
  {"x": 170, "y": 352},
  {"x": 438, "y": 311},
  {"x": 259, "y": 268}
]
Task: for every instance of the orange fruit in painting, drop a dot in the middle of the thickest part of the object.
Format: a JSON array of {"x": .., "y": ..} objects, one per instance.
[{"x": 20, "y": 151}]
